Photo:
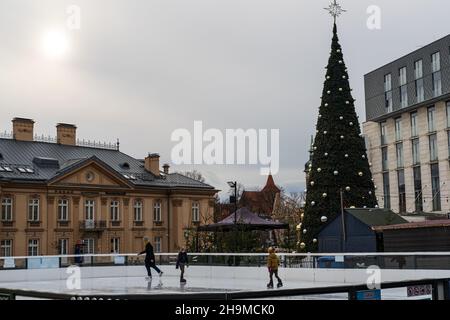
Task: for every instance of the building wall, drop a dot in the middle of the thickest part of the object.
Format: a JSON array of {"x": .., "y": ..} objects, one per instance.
[
  {"x": 176, "y": 210},
  {"x": 374, "y": 81},
  {"x": 360, "y": 238},
  {"x": 372, "y": 131}
]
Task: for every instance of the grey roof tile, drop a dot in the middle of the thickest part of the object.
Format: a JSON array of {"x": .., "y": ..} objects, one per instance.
[{"x": 17, "y": 154}]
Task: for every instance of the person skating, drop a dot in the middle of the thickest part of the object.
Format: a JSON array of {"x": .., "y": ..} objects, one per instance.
[
  {"x": 182, "y": 262},
  {"x": 149, "y": 259},
  {"x": 272, "y": 265}
]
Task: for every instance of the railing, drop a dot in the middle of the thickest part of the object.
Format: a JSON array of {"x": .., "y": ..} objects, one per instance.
[
  {"x": 390, "y": 261},
  {"x": 79, "y": 142},
  {"x": 91, "y": 225}
]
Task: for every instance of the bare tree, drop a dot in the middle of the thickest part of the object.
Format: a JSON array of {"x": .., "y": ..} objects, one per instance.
[{"x": 194, "y": 174}]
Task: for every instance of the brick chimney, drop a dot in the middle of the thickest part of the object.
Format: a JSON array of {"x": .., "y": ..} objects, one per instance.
[
  {"x": 66, "y": 134},
  {"x": 152, "y": 163},
  {"x": 23, "y": 129},
  {"x": 166, "y": 168}
]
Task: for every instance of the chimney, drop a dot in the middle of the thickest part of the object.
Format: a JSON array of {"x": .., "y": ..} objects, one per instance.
[
  {"x": 66, "y": 134},
  {"x": 23, "y": 129},
  {"x": 166, "y": 168},
  {"x": 152, "y": 163}
]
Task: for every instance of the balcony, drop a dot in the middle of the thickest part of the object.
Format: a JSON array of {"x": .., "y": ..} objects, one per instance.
[{"x": 90, "y": 225}]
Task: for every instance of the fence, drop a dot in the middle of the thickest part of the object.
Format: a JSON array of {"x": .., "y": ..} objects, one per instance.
[{"x": 406, "y": 261}]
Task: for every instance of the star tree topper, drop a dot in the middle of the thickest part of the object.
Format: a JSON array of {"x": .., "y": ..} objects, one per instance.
[{"x": 335, "y": 10}]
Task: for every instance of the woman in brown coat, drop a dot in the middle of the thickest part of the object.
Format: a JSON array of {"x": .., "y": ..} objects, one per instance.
[{"x": 272, "y": 265}]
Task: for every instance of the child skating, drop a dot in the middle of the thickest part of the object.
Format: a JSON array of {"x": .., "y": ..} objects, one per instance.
[
  {"x": 182, "y": 262},
  {"x": 272, "y": 265},
  {"x": 149, "y": 259}
]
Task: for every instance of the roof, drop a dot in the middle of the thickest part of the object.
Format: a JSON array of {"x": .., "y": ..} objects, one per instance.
[
  {"x": 270, "y": 185},
  {"x": 48, "y": 160},
  {"x": 376, "y": 217},
  {"x": 244, "y": 217},
  {"x": 417, "y": 225}
]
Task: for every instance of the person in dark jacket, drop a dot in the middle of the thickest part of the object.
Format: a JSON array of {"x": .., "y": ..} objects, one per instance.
[
  {"x": 149, "y": 259},
  {"x": 182, "y": 262}
]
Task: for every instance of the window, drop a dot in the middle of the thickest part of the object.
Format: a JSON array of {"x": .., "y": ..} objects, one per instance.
[
  {"x": 195, "y": 211},
  {"x": 138, "y": 210},
  {"x": 89, "y": 209},
  {"x": 158, "y": 244},
  {"x": 436, "y": 73},
  {"x": 386, "y": 191},
  {"x": 403, "y": 88},
  {"x": 89, "y": 246},
  {"x": 388, "y": 92},
  {"x": 416, "y": 151},
  {"x": 431, "y": 119},
  {"x": 157, "y": 211},
  {"x": 418, "y": 189},
  {"x": 435, "y": 187},
  {"x": 7, "y": 209},
  {"x": 448, "y": 114},
  {"x": 63, "y": 210},
  {"x": 401, "y": 191},
  {"x": 398, "y": 129},
  {"x": 399, "y": 151},
  {"x": 418, "y": 74},
  {"x": 33, "y": 247},
  {"x": 448, "y": 139},
  {"x": 114, "y": 211},
  {"x": 33, "y": 210},
  {"x": 63, "y": 246},
  {"x": 414, "y": 127},
  {"x": 383, "y": 133},
  {"x": 6, "y": 248},
  {"x": 384, "y": 158},
  {"x": 433, "y": 147},
  {"x": 115, "y": 245}
]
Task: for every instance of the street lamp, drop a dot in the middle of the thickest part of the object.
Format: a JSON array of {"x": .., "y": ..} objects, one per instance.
[{"x": 233, "y": 184}]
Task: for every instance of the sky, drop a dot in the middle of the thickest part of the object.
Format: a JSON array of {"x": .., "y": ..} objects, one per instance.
[{"x": 139, "y": 69}]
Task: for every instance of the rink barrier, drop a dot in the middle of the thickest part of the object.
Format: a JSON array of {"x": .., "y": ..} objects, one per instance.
[
  {"x": 440, "y": 291},
  {"x": 388, "y": 260}
]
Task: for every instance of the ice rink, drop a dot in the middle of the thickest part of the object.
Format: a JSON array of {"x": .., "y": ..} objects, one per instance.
[{"x": 123, "y": 280}]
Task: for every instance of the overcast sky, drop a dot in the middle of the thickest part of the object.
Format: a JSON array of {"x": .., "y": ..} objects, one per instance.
[{"x": 139, "y": 69}]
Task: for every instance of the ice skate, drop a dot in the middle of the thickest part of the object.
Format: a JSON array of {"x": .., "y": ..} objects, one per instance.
[
  {"x": 148, "y": 278},
  {"x": 182, "y": 280},
  {"x": 270, "y": 285},
  {"x": 279, "y": 284},
  {"x": 161, "y": 273}
]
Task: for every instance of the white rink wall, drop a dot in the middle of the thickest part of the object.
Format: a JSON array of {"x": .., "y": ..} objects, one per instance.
[{"x": 344, "y": 276}]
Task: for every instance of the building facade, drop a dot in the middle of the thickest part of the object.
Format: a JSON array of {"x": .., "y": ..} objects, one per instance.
[
  {"x": 61, "y": 192},
  {"x": 408, "y": 130}
]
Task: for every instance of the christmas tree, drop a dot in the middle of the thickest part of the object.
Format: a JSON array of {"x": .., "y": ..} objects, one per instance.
[{"x": 339, "y": 169}]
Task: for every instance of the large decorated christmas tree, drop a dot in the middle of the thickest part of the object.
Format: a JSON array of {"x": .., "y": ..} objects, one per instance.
[{"x": 339, "y": 171}]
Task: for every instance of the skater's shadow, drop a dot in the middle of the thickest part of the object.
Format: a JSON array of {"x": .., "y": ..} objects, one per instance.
[{"x": 182, "y": 286}]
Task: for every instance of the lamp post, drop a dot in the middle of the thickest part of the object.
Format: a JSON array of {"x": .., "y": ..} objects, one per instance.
[{"x": 233, "y": 184}]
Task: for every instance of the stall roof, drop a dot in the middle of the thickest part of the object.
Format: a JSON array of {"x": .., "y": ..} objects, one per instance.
[
  {"x": 245, "y": 218},
  {"x": 416, "y": 225}
]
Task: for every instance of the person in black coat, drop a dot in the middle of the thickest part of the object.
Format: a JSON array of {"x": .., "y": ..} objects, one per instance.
[
  {"x": 182, "y": 262},
  {"x": 149, "y": 259}
]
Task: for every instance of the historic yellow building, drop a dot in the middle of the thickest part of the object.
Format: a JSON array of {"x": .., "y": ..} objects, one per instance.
[{"x": 56, "y": 193}]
